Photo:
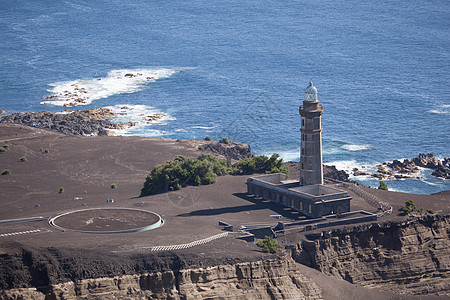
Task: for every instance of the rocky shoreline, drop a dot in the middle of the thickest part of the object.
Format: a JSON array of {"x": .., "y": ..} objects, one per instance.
[
  {"x": 409, "y": 168},
  {"x": 96, "y": 121}
]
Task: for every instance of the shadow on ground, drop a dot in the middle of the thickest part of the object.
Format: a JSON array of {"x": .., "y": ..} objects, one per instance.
[{"x": 257, "y": 204}]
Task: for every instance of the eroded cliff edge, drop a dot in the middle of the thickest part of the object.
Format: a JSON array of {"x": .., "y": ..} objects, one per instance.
[{"x": 408, "y": 257}]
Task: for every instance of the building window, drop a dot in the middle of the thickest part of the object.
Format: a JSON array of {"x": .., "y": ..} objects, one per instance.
[
  {"x": 301, "y": 205},
  {"x": 309, "y": 208}
]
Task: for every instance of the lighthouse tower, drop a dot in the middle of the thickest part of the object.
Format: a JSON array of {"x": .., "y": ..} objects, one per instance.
[{"x": 311, "y": 171}]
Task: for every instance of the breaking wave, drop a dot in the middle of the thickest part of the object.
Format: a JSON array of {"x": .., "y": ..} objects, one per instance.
[
  {"x": 84, "y": 91},
  {"x": 352, "y": 147}
]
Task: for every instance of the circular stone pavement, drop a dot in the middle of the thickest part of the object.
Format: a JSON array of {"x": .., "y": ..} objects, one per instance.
[{"x": 107, "y": 220}]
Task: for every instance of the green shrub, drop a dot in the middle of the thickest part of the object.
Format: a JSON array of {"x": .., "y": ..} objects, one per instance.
[
  {"x": 201, "y": 148},
  {"x": 3, "y": 149},
  {"x": 46, "y": 151},
  {"x": 420, "y": 210},
  {"x": 114, "y": 186},
  {"x": 85, "y": 192},
  {"x": 6, "y": 172},
  {"x": 268, "y": 245},
  {"x": 430, "y": 211},
  {"x": 225, "y": 140},
  {"x": 208, "y": 138},
  {"x": 6, "y": 146},
  {"x": 260, "y": 164},
  {"x": 184, "y": 171},
  {"x": 383, "y": 186},
  {"x": 409, "y": 207},
  {"x": 23, "y": 158},
  {"x": 61, "y": 190},
  {"x": 42, "y": 149}
]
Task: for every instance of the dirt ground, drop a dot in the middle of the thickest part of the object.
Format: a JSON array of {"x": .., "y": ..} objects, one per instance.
[{"x": 87, "y": 167}]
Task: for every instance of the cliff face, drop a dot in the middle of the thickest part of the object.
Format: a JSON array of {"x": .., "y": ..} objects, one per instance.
[
  {"x": 268, "y": 279},
  {"x": 410, "y": 257}
]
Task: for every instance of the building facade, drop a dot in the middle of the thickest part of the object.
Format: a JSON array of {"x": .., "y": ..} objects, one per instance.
[{"x": 311, "y": 171}]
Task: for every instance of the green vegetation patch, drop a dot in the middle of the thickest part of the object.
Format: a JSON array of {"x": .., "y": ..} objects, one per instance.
[
  {"x": 114, "y": 186},
  {"x": 3, "y": 149},
  {"x": 383, "y": 186},
  {"x": 268, "y": 245},
  {"x": 184, "y": 171},
  {"x": 225, "y": 140},
  {"x": 61, "y": 190},
  {"x": 261, "y": 164},
  {"x": 6, "y": 172},
  {"x": 23, "y": 159}
]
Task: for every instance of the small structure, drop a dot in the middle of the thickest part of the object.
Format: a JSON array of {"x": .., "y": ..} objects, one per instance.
[{"x": 308, "y": 195}]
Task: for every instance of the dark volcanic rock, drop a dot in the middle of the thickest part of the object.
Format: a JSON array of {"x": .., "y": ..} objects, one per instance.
[
  {"x": 331, "y": 172},
  {"x": 80, "y": 122},
  {"x": 409, "y": 166},
  {"x": 230, "y": 151}
]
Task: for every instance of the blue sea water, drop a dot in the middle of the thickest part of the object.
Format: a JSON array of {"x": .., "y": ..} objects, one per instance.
[{"x": 239, "y": 69}]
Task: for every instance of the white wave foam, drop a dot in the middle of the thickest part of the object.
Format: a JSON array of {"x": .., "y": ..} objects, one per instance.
[
  {"x": 84, "y": 91},
  {"x": 203, "y": 127},
  {"x": 353, "y": 147},
  {"x": 285, "y": 155},
  {"x": 345, "y": 165},
  {"x": 143, "y": 116},
  {"x": 444, "y": 110},
  {"x": 435, "y": 111}
]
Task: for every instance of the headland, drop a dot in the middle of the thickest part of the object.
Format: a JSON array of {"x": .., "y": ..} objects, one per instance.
[{"x": 396, "y": 257}]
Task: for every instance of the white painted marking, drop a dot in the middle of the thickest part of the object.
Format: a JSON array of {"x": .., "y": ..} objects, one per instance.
[{"x": 19, "y": 232}]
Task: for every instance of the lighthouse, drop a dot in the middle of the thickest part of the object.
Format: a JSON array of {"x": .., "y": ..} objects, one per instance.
[{"x": 311, "y": 171}]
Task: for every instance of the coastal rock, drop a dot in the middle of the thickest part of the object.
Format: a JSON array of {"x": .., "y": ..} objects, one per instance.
[
  {"x": 410, "y": 166},
  {"x": 331, "y": 172},
  {"x": 80, "y": 122},
  {"x": 357, "y": 172},
  {"x": 426, "y": 161}
]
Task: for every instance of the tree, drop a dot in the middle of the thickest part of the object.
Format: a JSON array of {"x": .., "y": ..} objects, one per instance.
[
  {"x": 409, "y": 207},
  {"x": 268, "y": 245},
  {"x": 261, "y": 164},
  {"x": 383, "y": 186}
]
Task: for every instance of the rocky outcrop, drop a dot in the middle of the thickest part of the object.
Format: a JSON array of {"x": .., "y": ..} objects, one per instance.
[
  {"x": 80, "y": 122},
  {"x": 410, "y": 256},
  {"x": 230, "y": 151},
  {"x": 330, "y": 172},
  {"x": 266, "y": 279},
  {"x": 443, "y": 169}
]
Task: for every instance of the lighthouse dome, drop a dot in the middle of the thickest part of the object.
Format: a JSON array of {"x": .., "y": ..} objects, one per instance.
[{"x": 311, "y": 93}]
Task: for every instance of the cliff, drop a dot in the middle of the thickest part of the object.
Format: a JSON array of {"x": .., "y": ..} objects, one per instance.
[
  {"x": 407, "y": 257},
  {"x": 267, "y": 279},
  {"x": 410, "y": 257}
]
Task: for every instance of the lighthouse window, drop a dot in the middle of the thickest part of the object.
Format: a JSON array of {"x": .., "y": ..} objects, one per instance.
[
  {"x": 303, "y": 122},
  {"x": 316, "y": 123}
]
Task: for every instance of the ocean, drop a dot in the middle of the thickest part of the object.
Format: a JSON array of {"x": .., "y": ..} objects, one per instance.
[{"x": 239, "y": 69}]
